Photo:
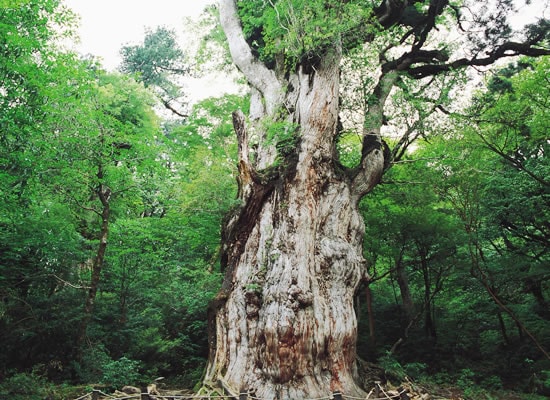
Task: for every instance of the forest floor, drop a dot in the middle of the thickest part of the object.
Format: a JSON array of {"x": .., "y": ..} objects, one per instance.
[
  {"x": 406, "y": 391},
  {"x": 375, "y": 379}
]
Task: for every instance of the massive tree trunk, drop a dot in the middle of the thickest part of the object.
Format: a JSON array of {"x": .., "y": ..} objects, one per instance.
[{"x": 283, "y": 324}]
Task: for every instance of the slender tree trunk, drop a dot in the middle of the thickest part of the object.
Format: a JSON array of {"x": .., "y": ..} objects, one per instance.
[
  {"x": 97, "y": 265},
  {"x": 429, "y": 324},
  {"x": 503, "y": 330},
  {"x": 283, "y": 325},
  {"x": 477, "y": 272},
  {"x": 404, "y": 288},
  {"x": 372, "y": 331},
  {"x": 535, "y": 287}
]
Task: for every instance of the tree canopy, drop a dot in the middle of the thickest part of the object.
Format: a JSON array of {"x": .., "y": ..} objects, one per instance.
[{"x": 158, "y": 63}]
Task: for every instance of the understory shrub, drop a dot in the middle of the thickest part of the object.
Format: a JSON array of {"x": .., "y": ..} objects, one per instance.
[
  {"x": 25, "y": 386},
  {"x": 121, "y": 372}
]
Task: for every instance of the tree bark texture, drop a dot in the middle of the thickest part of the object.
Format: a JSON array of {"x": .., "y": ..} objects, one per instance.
[{"x": 283, "y": 325}]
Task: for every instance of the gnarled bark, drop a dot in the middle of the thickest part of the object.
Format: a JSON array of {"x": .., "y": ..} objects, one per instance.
[{"x": 283, "y": 324}]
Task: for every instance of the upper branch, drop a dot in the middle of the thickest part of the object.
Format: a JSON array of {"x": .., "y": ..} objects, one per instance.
[
  {"x": 420, "y": 62},
  {"x": 508, "y": 49},
  {"x": 256, "y": 72}
]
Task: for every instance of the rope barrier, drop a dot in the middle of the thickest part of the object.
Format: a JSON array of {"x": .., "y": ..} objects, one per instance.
[
  {"x": 204, "y": 396},
  {"x": 111, "y": 397},
  {"x": 97, "y": 392},
  {"x": 84, "y": 396},
  {"x": 318, "y": 398},
  {"x": 387, "y": 396},
  {"x": 176, "y": 397}
]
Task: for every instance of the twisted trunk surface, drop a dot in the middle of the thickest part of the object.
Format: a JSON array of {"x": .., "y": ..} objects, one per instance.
[{"x": 283, "y": 325}]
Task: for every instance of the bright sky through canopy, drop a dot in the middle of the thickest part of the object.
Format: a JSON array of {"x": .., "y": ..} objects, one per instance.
[{"x": 107, "y": 25}]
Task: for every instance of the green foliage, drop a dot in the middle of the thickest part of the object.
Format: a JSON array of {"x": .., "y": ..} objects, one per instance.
[
  {"x": 447, "y": 224},
  {"x": 90, "y": 367},
  {"x": 479, "y": 212},
  {"x": 284, "y": 135},
  {"x": 299, "y": 30},
  {"x": 97, "y": 366},
  {"x": 121, "y": 372},
  {"x": 155, "y": 59},
  {"x": 73, "y": 123},
  {"x": 392, "y": 367},
  {"x": 514, "y": 126},
  {"x": 466, "y": 379},
  {"x": 12, "y": 3},
  {"x": 349, "y": 149},
  {"x": 158, "y": 62},
  {"x": 25, "y": 386},
  {"x": 212, "y": 51},
  {"x": 416, "y": 370},
  {"x": 27, "y": 61}
]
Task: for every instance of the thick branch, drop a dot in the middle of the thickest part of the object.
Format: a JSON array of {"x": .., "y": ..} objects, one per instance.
[
  {"x": 509, "y": 49},
  {"x": 256, "y": 73},
  {"x": 369, "y": 173},
  {"x": 390, "y": 12},
  {"x": 375, "y": 155},
  {"x": 375, "y": 116},
  {"x": 436, "y": 8},
  {"x": 405, "y": 62}
]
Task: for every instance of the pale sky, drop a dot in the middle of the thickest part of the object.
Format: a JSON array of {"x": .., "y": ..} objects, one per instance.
[{"x": 107, "y": 25}]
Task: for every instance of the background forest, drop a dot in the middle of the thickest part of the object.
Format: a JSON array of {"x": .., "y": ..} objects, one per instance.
[{"x": 110, "y": 222}]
